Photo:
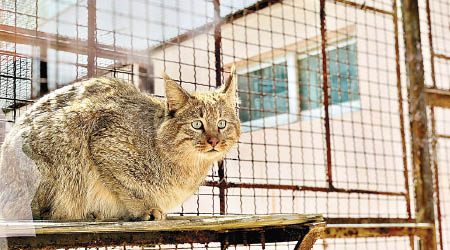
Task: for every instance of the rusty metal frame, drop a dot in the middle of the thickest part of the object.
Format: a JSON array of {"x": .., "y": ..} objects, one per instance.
[
  {"x": 378, "y": 230},
  {"x": 435, "y": 98},
  {"x": 375, "y": 228},
  {"x": 421, "y": 159},
  {"x": 226, "y": 184},
  {"x": 25, "y": 36},
  {"x": 323, "y": 34},
  {"x": 218, "y": 69},
  {"x": 92, "y": 38}
]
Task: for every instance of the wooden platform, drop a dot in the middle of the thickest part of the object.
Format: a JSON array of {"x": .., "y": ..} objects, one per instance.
[{"x": 228, "y": 230}]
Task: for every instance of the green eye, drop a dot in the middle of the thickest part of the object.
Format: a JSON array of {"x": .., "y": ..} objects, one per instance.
[
  {"x": 222, "y": 124},
  {"x": 197, "y": 124}
]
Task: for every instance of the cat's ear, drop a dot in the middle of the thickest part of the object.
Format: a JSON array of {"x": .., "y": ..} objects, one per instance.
[
  {"x": 229, "y": 89},
  {"x": 176, "y": 96}
]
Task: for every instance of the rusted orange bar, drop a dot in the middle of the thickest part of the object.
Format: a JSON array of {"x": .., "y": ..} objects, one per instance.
[
  {"x": 323, "y": 34},
  {"x": 377, "y": 230},
  {"x": 298, "y": 188},
  {"x": 363, "y": 6},
  {"x": 92, "y": 38},
  {"x": 218, "y": 69},
  {"x": 441, "y": 56},
  {"x": 438, "y": 97}
]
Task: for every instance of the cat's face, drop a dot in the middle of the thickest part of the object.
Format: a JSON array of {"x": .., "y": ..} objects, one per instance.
[{"x": 204, "y": 123}]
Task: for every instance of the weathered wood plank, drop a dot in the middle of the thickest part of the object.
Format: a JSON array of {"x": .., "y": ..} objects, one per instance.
[
  {"x": 173, "y": 223},
  {"x": 229, "y": 230}
]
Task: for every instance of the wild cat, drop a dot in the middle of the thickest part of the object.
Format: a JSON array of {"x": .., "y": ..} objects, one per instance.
[{"x": 105, "y": 150}]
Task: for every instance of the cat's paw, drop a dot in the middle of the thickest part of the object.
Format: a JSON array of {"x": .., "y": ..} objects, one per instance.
[
  {"x": 97, "y": 216},
  {"x": 152, "y": 214},
  {"x": 155, "y": 214}
]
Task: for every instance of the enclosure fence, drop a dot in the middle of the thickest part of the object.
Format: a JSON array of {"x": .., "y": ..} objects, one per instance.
[{"x": 344, "y": 104}]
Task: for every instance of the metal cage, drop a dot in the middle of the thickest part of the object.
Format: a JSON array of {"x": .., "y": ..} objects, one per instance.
[{"x": 344, "y": 103}]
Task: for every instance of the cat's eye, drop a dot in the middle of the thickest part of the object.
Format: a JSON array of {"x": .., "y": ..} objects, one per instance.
[
  {"x": 197, "y": 124},
  {"x": 222, "y": 124}
]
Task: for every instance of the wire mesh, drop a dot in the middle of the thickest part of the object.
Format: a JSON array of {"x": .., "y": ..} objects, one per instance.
[
  {"x": 321, "y": 83},
  {"x": 436, "y": 52}
]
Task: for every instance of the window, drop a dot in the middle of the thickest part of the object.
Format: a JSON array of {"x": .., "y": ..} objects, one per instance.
[
  {"x": 342, "y": 77},
  {"x": 290, "y": 89},
  {"x": 263, "y": 93}
]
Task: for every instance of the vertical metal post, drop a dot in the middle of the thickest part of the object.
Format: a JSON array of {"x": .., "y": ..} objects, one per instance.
[
  {"x": 43, "y": 73},
  {"x": 15, "y": 88},
  {"x": 422, "y": 173},
  {"x": 323, "y": 33},
  {"x": 217, "y": 42},
  {"x": 402, "y": 118},
  {"x": 218, "y": 59},
  {"x": 433, "y": 131},
  {"x": 92, "y": 37},
  {"x": 218, "y": 64},
  {"x": 14, "y": 61}
]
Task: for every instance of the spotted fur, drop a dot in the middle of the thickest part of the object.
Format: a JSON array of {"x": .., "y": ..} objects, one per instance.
[{"x": 106, "y": 150}]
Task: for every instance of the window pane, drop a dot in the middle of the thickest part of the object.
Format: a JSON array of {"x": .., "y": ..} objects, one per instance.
[
  {"x": 244, "y": 97},
  {"x": 310, "y": 83},
  {"x": 342, "y": 77},
  {"x": 349, "y": 54},
  {"x": 263, "y": 93}
]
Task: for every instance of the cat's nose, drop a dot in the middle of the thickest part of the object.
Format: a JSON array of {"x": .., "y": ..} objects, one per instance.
[{"x": 213, "y": 141}]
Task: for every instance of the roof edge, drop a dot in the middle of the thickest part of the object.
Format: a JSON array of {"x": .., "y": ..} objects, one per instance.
[{"x": 227, "y": 19}]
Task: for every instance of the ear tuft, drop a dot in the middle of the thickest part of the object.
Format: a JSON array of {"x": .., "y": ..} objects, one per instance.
[
  {"x": 176, "y": 96},
  {"x": 229, "y": 89}
]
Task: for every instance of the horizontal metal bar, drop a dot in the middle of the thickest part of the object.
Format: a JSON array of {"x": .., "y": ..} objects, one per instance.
[
  {"x": 441, "y": 56},
  {"x": 376, "y": 230},
  {"x": 443, "y": 136},
  {"x": 15, "y": 77},
  {"x": 365, "y": 7},
  {"x": 300, "y": 188},
  {"x": 15, "y": 99},
  {"x": 12, "y": 53},
  {"x": 344, "y": 220},
  {"x": 438, "y": 97},
  {"x": 36, "y": 38}
]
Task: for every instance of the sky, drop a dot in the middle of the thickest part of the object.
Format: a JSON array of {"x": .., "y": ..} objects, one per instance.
[{"x": 136, "y": 23}]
